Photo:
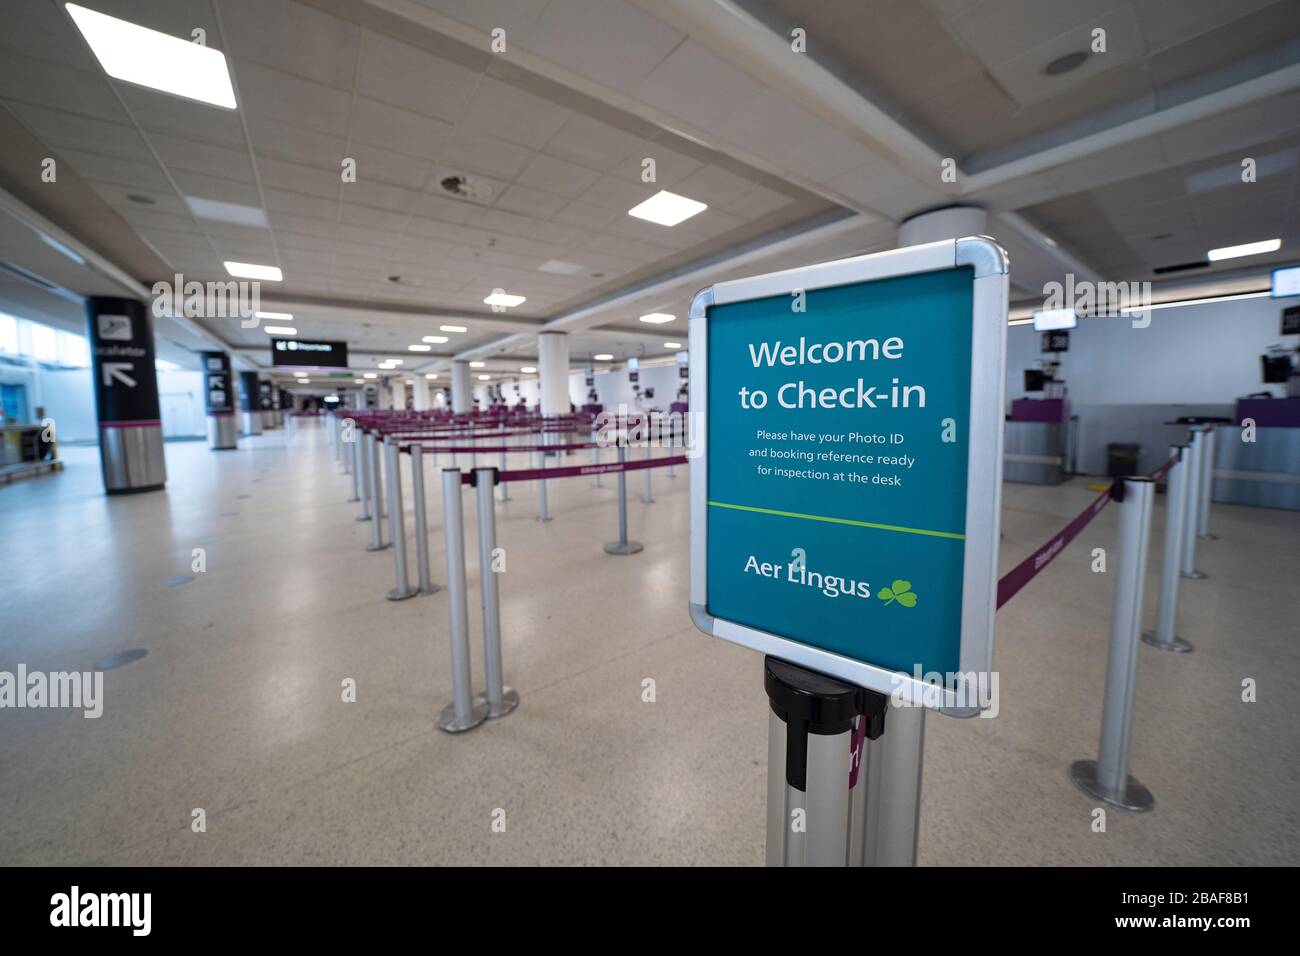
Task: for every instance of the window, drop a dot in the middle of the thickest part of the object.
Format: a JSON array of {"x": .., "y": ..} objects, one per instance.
[
  {"x": 45, "y": 343},
  {"x": 74, "y": 350},
  {"x": 8, "y": 334}
]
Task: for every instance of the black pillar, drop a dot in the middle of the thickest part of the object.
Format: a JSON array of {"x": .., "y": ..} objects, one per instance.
[
  {"x": 250, "y": 403},
  {"x": 219, "y": 401},
  {"x": 126, "y": 394}
]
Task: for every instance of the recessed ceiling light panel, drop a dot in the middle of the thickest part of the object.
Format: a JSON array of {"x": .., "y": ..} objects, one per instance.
[
  {"x": 159, "y": 61},
  {"x": 667, "y": 209}
]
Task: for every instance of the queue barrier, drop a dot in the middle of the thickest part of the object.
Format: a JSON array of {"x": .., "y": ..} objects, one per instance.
[{"x": 862, "y": 828}]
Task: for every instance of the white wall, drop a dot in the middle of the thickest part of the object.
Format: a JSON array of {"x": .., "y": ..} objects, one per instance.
[{"x": 1200, "y": 354}]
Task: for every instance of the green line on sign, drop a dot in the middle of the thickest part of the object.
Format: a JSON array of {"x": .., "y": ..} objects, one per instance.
[{"x": 856, "y": 524}]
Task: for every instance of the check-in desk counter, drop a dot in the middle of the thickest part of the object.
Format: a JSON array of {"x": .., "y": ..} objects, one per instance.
[
  {"x": 1034, "y": 441},
  {"x": 1265, "y": 472},
  {"x": 23, "y": 449}
]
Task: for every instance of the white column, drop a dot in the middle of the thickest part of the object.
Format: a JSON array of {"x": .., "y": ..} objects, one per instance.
[
  {"x": 462, "y": 390},
  {"x": 952, "y": 222},
  {"x": 397, "y": 387},
  {"x": 553, "y": 369},
  {"x": 422, "y": 400},
  {"x": 385, "y": 396}
]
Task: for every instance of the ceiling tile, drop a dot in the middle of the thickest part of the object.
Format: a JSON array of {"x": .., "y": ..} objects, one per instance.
[
  {"x": 510, "y": 113},
  {"x": 610, "y": 41},
  {"x": 590, "y": 142},
  {"x": 558, "y": 177},
  {"x": 285, "y": 97},
  {"x": 395, "y": 73},
  {"x": 293, "y": 37}
]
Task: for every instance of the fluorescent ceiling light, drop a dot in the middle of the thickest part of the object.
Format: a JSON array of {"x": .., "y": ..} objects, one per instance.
[
  {"x": 1051, "y": 320},
  {"x": 484, "y": 378},
  {"x": 1177, "y": 303},
  {"x": 667, "y": 209},
  {"x": 1246, "y": 249},
  {"x": 657, "y": 318},
  {"x": 561, "y": 268},
  {"x": 477, "y": 364},
  {"x": 280, "y": 330},
  {"x": 528, "y": 369},
  {"x": 504, "y": 299},
  {"x": 231, "y": 212},
  {"x": 304, "y": 381},
  {"x": 672, "y": 345},
  {"x": 435, "y": 339},
  {"x": 250, "y": 270},
  {"x": 419, "y": 348},
  {"x": 1020, "y": 321},
  {"x": 455, "y": 328},
  {"x": 1286, "y": 282},
  {"x": 370, "y": 375},
  {"x": 159, "y": 61},
  {"x": 162, "y": 365},
  {"x": 274, "y": 315},
  {"x": 431, "y": 375},
  {"x": 602, "y": 357}
]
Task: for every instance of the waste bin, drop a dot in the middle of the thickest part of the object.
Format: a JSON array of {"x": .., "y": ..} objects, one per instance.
[{"x": 1122, "y": 460}]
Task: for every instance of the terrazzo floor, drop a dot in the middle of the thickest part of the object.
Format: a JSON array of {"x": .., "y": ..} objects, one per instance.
[{"x": 238, "y": 708}]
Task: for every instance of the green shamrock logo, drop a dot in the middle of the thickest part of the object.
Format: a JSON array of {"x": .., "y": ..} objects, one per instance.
[{"x": 900, "y": 591}]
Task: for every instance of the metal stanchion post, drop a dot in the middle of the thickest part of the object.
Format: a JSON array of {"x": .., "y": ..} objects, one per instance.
[
  {"x": 595, "y": 457},
  {"x": 500, "y": 700},
  {"x": 622, "y": 545},
  {"x": 1163, "y": 636},
  {"x": 358, "y": 478},
  {"x": 1207, "y": 483},
  {"x": 396, "y": 522},
  {"x": 505, "y": 485},
  {"x": 1107, "y": 778},
  {"x": 1195, "y": 452},
  {"x": 373, "y": 473},
  {"x": 811, "y": 721},
  {"x": 887, "y": 798},
  {"x": 543, "y": 509},
  {"x": 421, "y": 521},
  {"x": 646, "y": 497},
  {"x": 462, "y": 713}
]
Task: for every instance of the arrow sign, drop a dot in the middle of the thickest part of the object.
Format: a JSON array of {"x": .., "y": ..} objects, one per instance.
[{"x": 118, "y": 370}]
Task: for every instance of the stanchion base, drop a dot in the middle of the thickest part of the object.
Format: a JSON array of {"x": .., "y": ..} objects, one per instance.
[
  {"x": 449, "y": 722},
  {"x": 396, "y": 595},
  {"x": 363, "y": 517},
  {"x": 1207, "y": 537},
  {"x": 509, "y": 701},
  {"x": 1135, "y": 796},
  {"x": 623, "y": 547},
  {"x": 647, "y": 501},
  {"x": 1177, "y": 645},
  {"x": 431, "y": 589},
  {"x": 376, "y": 547},
  {"x": 350, "y": 501},
  {"x": 1195, "y": 575},
  {"x": 541, "y": 519}
]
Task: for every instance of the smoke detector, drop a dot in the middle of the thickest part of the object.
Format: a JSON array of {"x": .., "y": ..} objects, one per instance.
[{"x": 464, "y": 187}]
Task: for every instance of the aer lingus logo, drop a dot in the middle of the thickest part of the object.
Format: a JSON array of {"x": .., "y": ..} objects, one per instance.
[{"x": 900, "y": 591}]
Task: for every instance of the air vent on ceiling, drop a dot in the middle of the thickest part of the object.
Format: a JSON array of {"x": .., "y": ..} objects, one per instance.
[
  {"x": 1181, "y": 267},
  {"x": 465, "y": 187}
]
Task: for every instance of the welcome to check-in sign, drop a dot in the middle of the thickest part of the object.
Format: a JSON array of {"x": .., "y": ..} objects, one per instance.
[{"x": 846, "y": 514}]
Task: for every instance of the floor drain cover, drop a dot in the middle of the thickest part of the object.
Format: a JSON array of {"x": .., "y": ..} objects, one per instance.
[
  {"x": 120, "y": 658},
  {"x": 182, "y": 579}
]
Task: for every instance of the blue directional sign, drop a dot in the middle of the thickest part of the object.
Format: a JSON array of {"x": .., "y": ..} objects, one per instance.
[{"x": 845, "y": 515}]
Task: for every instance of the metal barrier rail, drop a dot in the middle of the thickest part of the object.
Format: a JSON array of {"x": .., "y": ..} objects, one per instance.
[{"x": 569, "y": 471}]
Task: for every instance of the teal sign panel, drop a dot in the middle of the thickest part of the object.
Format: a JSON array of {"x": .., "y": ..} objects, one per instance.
[{"x": 837, "y": 464}]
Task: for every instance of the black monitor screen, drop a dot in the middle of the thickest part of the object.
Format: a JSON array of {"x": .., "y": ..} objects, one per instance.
[
  {"x": 1291, "y": 320},
  {"x": 1034, "y": 379},
  {"x": 1276, "y": 368}
]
